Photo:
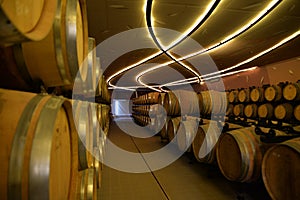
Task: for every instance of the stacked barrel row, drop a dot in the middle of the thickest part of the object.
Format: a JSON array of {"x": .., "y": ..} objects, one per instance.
[
  {"x": 148, "y": 112},
  {"x": 63, "y": 57},
  {"x": 238, "y": 151},
  {"x": 241, "y": 155},
  {"x": 276, "y": 102},
  {"x": 59, "y": 142},
  {"x": 45, "y": 47},
  {"x": 171, "y": 105},
  {"x": 92, "y": 133}
]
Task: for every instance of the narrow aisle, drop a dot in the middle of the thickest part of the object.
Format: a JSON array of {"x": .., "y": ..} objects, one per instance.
[
  {"x": 183, "y": 179},
  {"x": 117, "y": 185}
]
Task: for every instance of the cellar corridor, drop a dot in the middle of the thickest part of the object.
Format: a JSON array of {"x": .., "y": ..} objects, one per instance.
[{"x": 183, "y": 179}]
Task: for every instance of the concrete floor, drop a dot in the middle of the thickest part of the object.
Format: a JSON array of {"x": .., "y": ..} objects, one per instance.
[{"x": 185, "y": 179}]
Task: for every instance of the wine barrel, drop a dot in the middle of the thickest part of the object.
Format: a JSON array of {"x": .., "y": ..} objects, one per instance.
[
  {"x": 173, "y": 126},
  {"x": 164, "y": 130},
  {"x": 239, "y": 155},
  {"x": 90, "y": 62},
  {"x": 266, "y": 111},
  {"x": 25, "y": 20},
  {"x": 99, "y": 90},
  {"x": 250, "y": 111},
  {"x": 257, "y": 94},
  {"x": 291, "y": 92},
  {"x": 98, "y": 166},
  {"x": 103, "y": 117},
  {"x": 95, "y": 127},
  {"x": 186, "y": 134},
  {"x": 161, "y": 97},
  {"x": 284, "y": 111},
  {"x": 280, "y": 170},
  {"x": 204, "y": 144},
  {"x": 64, "y": 48},
  {"x": 233, "y": 96},
  {"x": 273, "y": 93},
  {"x": 83, "y": 123},
  {"x": 205, "y": 103},
  {"x": 171, "y": 104},
  {"x": 152, "y": 98},
  {"x": 36, "y": 132},
  {"x": 244, "y": 95},
  {"x": 87, "y": 187},
  {"x": 229, "y": 111},
  {"x": 152, "y": 110},
  {"x": 238, "y": 110},
  {"x": 297, "y": 112},
  {"x": 156, "y": 124},
  {"x": 181, "y": 102},
  {"x": 106, "y": 95},
  {"x": 212, "y": 102}
]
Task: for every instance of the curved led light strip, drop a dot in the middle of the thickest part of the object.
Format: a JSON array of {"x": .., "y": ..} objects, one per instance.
[
  {"x": 285, "y": 40},
  {"x": 186, "y": 81},
  {"x": 194, "y": 79},
  {"x": 200, "y": 19},
  {"x": 197, "y": 23},
  {"x": 254, "y": 21},
  {"x": 132, "y": 66},
  {"x": 224, "y": 41},
  {"x": 282, "y": 42}
]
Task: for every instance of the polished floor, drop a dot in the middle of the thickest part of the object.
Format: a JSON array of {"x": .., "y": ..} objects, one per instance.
[{"x": 185, "y": 179}]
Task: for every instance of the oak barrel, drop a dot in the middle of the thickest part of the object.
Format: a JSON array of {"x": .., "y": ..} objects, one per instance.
[
  {"x": 173, "y": 126},
  {"x": 244, "y": 95},
  {"x": 284, "y": 111},
  {"x": 171, "y": 104},
  {"x": 229, "y": 111},
  {"x": 164, "y": 130},
  {"x": 97, "y": 165},
  {"x": 99, "y": 77},
  {"x": 84, "y": 125},
  {"x": 257, "y": 94},
  {"x": 239, "y": 155},
  {"x": 25, "y": 20},
  {"x": 95, "y": 127},
  {"x": 280, "y": 170},
  {"x": 212, "y": 103},
  {"x": 90, "y": 62},
  {"x": 266, "y": 111},
  {"x": 87, "y": 187},
  {"x": 64, "y": 48},
  {"x": 38, "y": 142},
  {"x": 297, "y": 112},
  {"x": 152, "y": 97},
  {"x": 186, "y": 134},
  {"x": 250, "y": 111},
  {"x": 232, "y": 96},
  {"x": 273, "y": 93},
  {"x": 161, "y": 97},
  {"x": 103, "y": 117},
  {"x": 238, "y": 110},
  {"x": 291, "y": 92},
  {"x": 205, "y": 141}
]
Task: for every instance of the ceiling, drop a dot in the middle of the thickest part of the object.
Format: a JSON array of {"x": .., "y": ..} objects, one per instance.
[{"x": 114, "y": 24}]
